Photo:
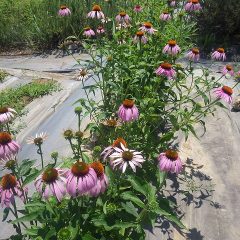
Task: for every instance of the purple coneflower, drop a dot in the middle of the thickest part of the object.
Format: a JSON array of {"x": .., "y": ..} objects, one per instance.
[
  {"x": 138, "y": 8},
  {"x": 81, "y": 178},
  {"x": 82, "y": 75},
  {"x": 128, "y": 111},
  {"x": 110, "y": 149},
  {"x": 9, "y": 187},
  {"x": 122, "y": 17},
  {"x": 219, "y": 54},
  {"x": 51, "y": 183},
  {"x": 147, "y": 27},
  {"x": 6, "y": 114},
  {"x": 169, "y": 161},
  {"x": 193, "y": 55},
  {"x": 224, "y": 93},
  {"x": 96, "y": 12},
  {"x": 88, "y": 32},
  {"x": 100, "y": 30},
  {"x": 171, "y": 48},
  {"x": 165, "y": 16},
  {"x": 228, "y": 69},
  {"x": 7, "y": 145},
  {"x": 172, "y": 3},
  {"x": 139, "y": 37},
  {"x": 166, "y": 70},
  {"x": 102, "y": 180},
  {"x": 123, "y": 157},
  {"x": 64, "y": 11},
  {"x": 193, "y": 5}
]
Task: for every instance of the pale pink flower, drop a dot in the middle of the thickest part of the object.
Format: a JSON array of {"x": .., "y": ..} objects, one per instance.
[
  {"x": 122, "y": 17},
  {"x": 64, "y": 11},
  {"x": 7, "y": 145},
  {"x": 193, "y": 55},
  {"x": 224, "y": 93},
  {"x": 10, "y": 187},
  {"x": 169, "y": 161},
  {"x": 102, "y": 180},
  {"x": 128, "y": 111},
  {"x": 165, "y": 16},
  {"x": 139, "y": 37},
  {"x": 193, "y": 5},
  {"x": 172, "y": 3},
  {"x": 6, "y": 114},
  {"x": 165, "y": 69},
  {"x": 51, "y": 183},
  {"x": 88, "y": 32},
  {"x": 171, "y": 48},
  {"x": 147, "y": 27},
  {"x": 228, "y": 69},
  {"x": 81, "y": 178},
  {"x": 237, "y": 77},
  {"x": 123, "y": 157},
  {"x": 8, "y": 162},
  {"x": 138, "y": 8},
  {"x": 96, "y": 12},
  {"x": 100, "y": 30},
  {"x": 219, "y": 54}
]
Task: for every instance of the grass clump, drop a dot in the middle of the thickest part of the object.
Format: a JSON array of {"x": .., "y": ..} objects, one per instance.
[{"x": 3, "y": 75}]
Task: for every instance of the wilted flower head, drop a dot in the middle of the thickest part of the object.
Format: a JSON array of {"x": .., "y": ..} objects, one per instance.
[
  {"x": 224, "y": 93},
  {"x": 64, "y": 11},
  {"x": 193, "y": 55},
  {"x": 139, "y": 37},
  {"x": 165, "y": 69},
  {"x": 6, "y": 114},
  {"x": 219, "y": 54},
  {"x": 100, "y": 30},
  {"x": 171, "y": 48},
  {"x": 122, "y": 17},
  {"x": 138, "y": 8},
  {"x": 7, "y": 145},
  {"x": 38, "y": 139},
  {"x": 165, "y": 16},
  {"x": 96, "y": 12},
  {"x": 193, "y": 5},
  {"x": 83, "y": 75},
  {"x": 68, "y": 134},
  {"x": 169, "y": 161},
  {"x": 8, "y": 162},
  {"x": 128, "y": 111},
  {"x": 123, "y": 157},
  {"x": 88, "y": 32},
  {"x": 228, "y": 69},
  {"x": 147, "y": 27},
  {"x": 112, "y": 122}
]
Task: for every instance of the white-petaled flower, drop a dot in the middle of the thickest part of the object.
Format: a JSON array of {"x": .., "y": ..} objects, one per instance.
[
  {"x": 6, "y": 114},
  {"x": 38, "y": 139},
  {"x": 122, "y": 157},
  {"x": 83, "y": 75}
]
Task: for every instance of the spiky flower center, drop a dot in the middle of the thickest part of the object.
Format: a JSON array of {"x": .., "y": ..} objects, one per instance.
[
  {"x": 122, "y": 14},
  {"x": 166, "y": 66},
  {"x": 195, "y": 51},
  {"x": 5, "y": 138},
  {"x": 100, "y": 28},
  {"x": 79, "y": 134},
  {"x": 63, "y": 7},
  {"x": 96, "y": 8},
  {"x": 50, "y": 175},
  {"x": 227, "y": 90},
  {"x": 147, "y": 25},
  {"x": 38, "y": 141},
  {"x": 3, "y": 110},
  {"x": 117, "y": 142},
  {"x": 8, "y": 181},
  {"x": 83, "y": 72},
  {"x": 221, "y": 50},
  {"x": 138, "y": 7},
  {"x": 127, "y": 156},
  {"x": 128, "y": 103},
  {"x": 171, "y": 154},
  {"x": 98, "y": 168},
  {"x": 172, "y": 43},
  {"x": 80, "y": 169},
  {"x": 195, "y": 1},
  {"x": 10, "y": 164},
  {"x": 229, "y": 67},
  {"x": 68, "y": 134},
  {"x": 165, "y": 12},
  {"x": 111, "y": 123},
  {"x": 140, "y": 34},
  {"x": 87, "y": 28}
]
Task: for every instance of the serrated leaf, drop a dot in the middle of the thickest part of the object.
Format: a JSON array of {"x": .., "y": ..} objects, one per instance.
[
  {"x": 131, "y": 197},
  {"x": 130, "y": 208},
  {"x": 30, "y": 217},
  {"x": 138, "y": 184}
]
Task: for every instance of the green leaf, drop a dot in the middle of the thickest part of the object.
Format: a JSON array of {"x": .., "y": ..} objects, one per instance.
[
  {"x": 35, "y": 173},
  {"x": 161, "y": 177},
  {"x": 25, "y": 167},
  {"x": 30, "y": 217},
  {"x": 130, "y": 208},
  {"x": 176, "y": 220},
  {"x": 132, "y": 197},
  {"x": 88, "y": 237},
  {"x": 138, "y": 184},
  {"x": 51, "y": 233},
  {"x": 5, "y": 213},
  {"x": 33, "y": 231},
  {"x": 86, "y": 158}
]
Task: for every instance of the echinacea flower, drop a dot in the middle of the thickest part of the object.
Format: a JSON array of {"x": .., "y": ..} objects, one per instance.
[
  {"x": 165, "y": 69},
  {"x": 228, "y": 69},
  {"x": 122, "y": 17},
  {"x": 9, "y": 187},
  {"x": 64, "y": 11},
  {"x": 219, "y": 54},
  {"x": 193, "y": 5},
  {"x": 81, "y": 178},
  {"x": 172, "y": 3},
  {"x": 139, "y": 37},
  {"x": 193, "y": 55},
  {"x": 169, "y": 161},
  {"x": 8, "y": 162},
  {"x": 96, "y": 12},
  {"x": 165, "y": 16},
  {"x": 110, "y": 149},
  {"x": 224, "y": 93},
  {"x": 112, "y": 123},
  {"x": 83, "y": 75},
  {"x": 100, "y": 30},
  {"x": 6, "y": 114},
  {"x": 123, "y": 157},
  {"x": 102, "y": 180},
  {"x": 51, "y": 183},
  {"x": 128, "y": 111},
  {"x": 7, "y": 145},
  {"x": 148, "y": 28},
  {"x": 38, "y": 139},
  {"x": 88, "y": 32},
  {"x": 171, "y": 48},
  {"x": 137, "y": 8}
]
